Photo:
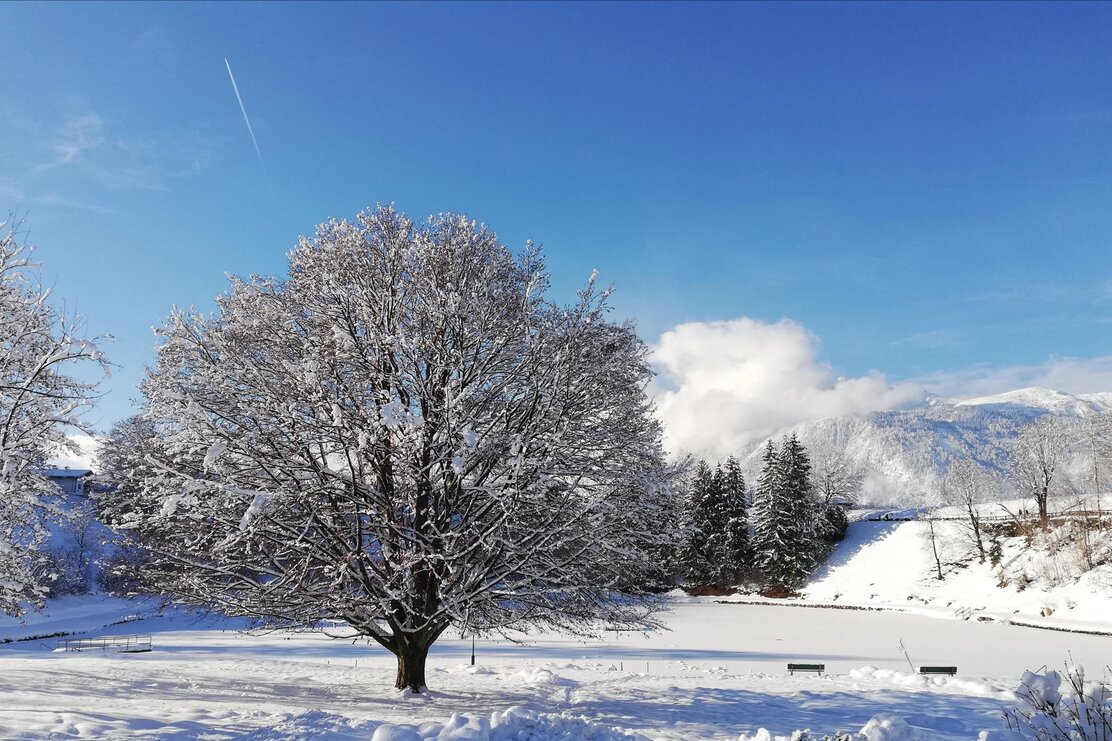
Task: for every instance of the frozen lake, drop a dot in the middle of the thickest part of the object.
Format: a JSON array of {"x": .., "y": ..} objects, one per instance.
[{"x": 719, "y": 672}]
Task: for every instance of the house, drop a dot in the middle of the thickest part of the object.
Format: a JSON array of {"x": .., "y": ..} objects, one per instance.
[{"x": 71, "y": 480}]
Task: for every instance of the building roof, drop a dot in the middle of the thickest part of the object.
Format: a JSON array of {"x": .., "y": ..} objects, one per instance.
[{"x": 67, "y": 473}]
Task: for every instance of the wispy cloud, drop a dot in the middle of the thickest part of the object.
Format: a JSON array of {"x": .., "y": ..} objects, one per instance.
[
  {"x": 16, "y": 197},
  {"x": 86, "y": 146},
  {"x": 79, "y": 136},
  {"x": 933, "y": 339},
  {"x": 54, "y": 199},
  {"x": 1072, "y": 375},
  {"x": 150, "y": 42}
]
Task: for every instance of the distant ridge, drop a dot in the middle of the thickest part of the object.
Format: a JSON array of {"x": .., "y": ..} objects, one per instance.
[{"x": 906, "y": 452}]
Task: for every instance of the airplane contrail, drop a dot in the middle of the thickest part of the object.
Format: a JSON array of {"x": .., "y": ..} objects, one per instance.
[{"x": 246, "y": 120}]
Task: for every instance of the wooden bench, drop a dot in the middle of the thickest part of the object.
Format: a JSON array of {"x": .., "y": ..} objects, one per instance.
[
  {"x": 793, "y": 668},
  {"x": 951, "y": 670}
]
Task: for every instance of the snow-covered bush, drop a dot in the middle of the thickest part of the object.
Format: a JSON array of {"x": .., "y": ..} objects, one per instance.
[
  {"x": 833, "y": 523},
  {"x": 1044, "y": 713}
]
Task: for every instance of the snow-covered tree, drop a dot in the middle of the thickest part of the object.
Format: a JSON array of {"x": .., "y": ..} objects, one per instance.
[
  {"x": 836, "y": 476},
  {"x": 125, "y": 459},
  {"x": 716, "y": 537},
  {"x": 736, "y": 510},
  {"x": 936, "y": 539},
  {"x": 122, "y": 461},
  {"x": 1096, "y": 432},
  {"x": 38, "y": 403},
  {"x": 702, "y": 555},
  {"x": 408, "y": 436},
  {"x": 1038, "y": 455},
  {"x": 765, "y": 495},
  {"x": 967, "y": 486},
  {"x": 784, "y": 514}
]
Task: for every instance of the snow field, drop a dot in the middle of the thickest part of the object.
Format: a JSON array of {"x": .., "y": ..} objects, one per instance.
[{"x": 718, "y": 673}]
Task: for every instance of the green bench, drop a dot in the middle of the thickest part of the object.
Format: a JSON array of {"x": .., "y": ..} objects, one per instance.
[
  {"x": 793, "y": 668},
  {"x": 951, "y": 670}
]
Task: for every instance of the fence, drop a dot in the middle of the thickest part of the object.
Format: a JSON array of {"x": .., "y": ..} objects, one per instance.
[{"x": 119, "y": 644}]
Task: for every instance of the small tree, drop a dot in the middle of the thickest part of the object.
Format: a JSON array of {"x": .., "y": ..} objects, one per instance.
[
  {"x": 935, "y": 539},
  {"x": 38, "y": 403},
  {"x": 967, "y": 486},
  {"x": 405, "y": 435},
  {"x": 837, "y": 477},
  {"x": 1097, "y": 432},
  {"x": 1037, "y": 456}
]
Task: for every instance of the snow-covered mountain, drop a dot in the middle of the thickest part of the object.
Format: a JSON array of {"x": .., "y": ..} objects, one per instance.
[{"x": 905, "y": 452}]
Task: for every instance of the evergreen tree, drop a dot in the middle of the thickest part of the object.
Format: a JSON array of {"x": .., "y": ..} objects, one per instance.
[
  {"x": 765, "y": 503},
  {"x": 736, "y": 516},
  {"x": 784, "y": 533},
  {"x": 716, "y": 522},
  {"x": 716, "y": 547},
  {"x": 698, "y": 561}
]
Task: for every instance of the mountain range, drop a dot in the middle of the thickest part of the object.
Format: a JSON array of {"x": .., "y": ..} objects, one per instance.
[{"x": 903, "y": 454}]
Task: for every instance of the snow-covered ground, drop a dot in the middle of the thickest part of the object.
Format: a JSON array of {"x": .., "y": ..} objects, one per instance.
[
  {"x": 718, "y": 673},
  {"x": 889, "y": 564}
]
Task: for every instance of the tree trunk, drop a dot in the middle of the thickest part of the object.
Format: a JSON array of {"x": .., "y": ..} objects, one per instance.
[
  {"x": 411, "y": 666},
  {"x": 1041, "y": 498},
  {"x": 934, "y": 547},
  {"x": 975, "y": 521}
]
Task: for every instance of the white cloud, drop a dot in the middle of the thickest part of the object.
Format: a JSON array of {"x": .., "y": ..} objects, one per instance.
[
  {"x": 1071, "y": 375},
  {"x": 82, "y": 455},
  {"x": 725, "y": 386}
]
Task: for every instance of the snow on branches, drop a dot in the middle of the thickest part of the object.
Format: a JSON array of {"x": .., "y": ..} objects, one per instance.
[
  {"x": 406, "y": 435},
  {"x": 38, "y": 402}
]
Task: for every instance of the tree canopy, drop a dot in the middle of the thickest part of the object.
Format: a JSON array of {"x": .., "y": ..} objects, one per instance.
[{"x": 406, "y": 435}]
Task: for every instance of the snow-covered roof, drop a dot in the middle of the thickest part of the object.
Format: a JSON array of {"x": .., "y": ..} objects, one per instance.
[{"x": 67, "y": 473}]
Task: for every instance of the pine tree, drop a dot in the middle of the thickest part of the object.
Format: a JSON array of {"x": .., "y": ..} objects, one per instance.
[
  {"x": 700, "y": 564},
  {"x": 716, "y": 524},
  {"x": 765, "y": 504},
  {"x": 736, "y": 512},
  {"x": 784, "y": 534}
]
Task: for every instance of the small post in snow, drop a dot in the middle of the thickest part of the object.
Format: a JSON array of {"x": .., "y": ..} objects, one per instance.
[
  {"x": 900, "y": 645},
  {"x": 472, "y": 650}
]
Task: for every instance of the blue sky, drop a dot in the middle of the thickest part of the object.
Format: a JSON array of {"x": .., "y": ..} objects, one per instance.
[{"x": 925, "y": 188}]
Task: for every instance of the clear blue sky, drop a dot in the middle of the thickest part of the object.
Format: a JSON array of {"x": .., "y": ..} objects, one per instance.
[{"x": 926, "y": 187}]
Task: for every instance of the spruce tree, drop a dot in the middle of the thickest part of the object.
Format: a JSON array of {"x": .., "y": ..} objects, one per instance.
[
  {"x": 716, "y": 530},
  {"x": 784, "y": 534},
  {"x": 698, "y": 562},
  {"x": 765, "y": 534},
  {"x": 736, "y": 518}
]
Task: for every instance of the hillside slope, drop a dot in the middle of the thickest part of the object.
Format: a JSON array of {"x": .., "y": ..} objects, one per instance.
[{"x": 891, "y": 565}]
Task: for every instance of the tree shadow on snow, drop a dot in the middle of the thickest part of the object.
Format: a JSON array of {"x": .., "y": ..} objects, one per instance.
[{"x": 711, "y": 711}]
